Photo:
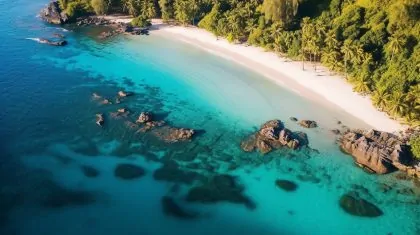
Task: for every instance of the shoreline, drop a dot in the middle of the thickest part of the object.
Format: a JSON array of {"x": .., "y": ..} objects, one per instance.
[{"x": 320, "y": 86}]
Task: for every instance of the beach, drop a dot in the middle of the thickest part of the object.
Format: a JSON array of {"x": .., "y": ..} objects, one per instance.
[
  {"x": 321, "y": 86},
  {"x": 62, "y": 173}
]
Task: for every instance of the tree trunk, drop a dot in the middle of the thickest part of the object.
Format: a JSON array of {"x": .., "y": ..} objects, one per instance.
[{"x": 345, "y": 69}]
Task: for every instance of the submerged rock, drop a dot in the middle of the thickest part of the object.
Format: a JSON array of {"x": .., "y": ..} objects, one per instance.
[
  {"x": 55, "y": 196},
  {"x": 308, "y": 123},
  {"x": 58, "y": 35},
  {"x": 171, "y": 208},
  {"x": 171, "y": 172},
  {"x": 53, "y": 43},
  {"x": 124, "y": 94},
  {"x": 129, "y": 171},
  {"x": 172, "y": 134},
  {"x": 272, "y": 135},
  {"x": 121, "y": 113},
  {"x": 354, "y": 205},
  {"x": 150, "y": 125},
  {"x": 53, "y": 14},
  {"x": 381, "y": 152},
  {"x": 99, "y": 119},
  {"x": 286, "y": 185},
  {"x": 144, "y": 117},
  {"x": 89, "y": 171},
  {"x": 96, "y": 96},
  {"x": 219, "y": 188}
]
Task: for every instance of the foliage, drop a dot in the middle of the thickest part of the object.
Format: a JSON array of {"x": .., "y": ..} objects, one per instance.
[
  {"x": 415, "y": 146},
  {"x": 375, "y": 43},
  {"x": 141, "y": 21},
  {"x": 167, "y": 9},
  {"x": 100, "y": 6}
]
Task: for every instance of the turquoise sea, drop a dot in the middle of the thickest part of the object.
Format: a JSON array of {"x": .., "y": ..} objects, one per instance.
[{"x": 57, "y": 167}]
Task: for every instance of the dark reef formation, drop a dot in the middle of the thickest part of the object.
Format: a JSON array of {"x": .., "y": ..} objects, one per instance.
[
  {"x": 128, "y": 171},
  {"x": 354, "y": 205}
]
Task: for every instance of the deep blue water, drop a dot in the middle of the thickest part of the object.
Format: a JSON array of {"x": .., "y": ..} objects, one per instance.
[{"x": 48, "y": 136}]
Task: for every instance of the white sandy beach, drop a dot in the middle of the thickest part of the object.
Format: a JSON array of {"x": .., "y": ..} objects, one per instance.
[{"x": 321, "y": 86}]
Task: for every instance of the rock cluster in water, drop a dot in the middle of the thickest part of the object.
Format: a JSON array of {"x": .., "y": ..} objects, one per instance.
[
  {"x": 379, "y": 152},
  {"x": 308, "y": 123},
  {"x": 144, "y": 122},
  {"x": 273, "y": 135}
]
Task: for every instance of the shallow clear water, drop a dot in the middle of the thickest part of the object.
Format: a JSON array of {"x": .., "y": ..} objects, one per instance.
[{"x": 49, "y": 134}]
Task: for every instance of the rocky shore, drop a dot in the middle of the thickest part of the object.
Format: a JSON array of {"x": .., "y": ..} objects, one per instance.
[
  {"x": 380, "y": 152},
  {"x": 53, "y": 14}
]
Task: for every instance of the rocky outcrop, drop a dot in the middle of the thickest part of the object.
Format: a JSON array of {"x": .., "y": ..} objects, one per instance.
[
  {"x": 308, "y": 123},
  {"x": 123, "y": 94},
  {"x": 144, "y": 117},
  {"x": 378, "y": 151},
  {"x": 172, "y": 134},
  {"x": 53, "y": 14},
  {"x": 92, "y": 20},
  {"x": 53, "y": 43},
  {"x": 272, "y": 135},
  {"x": 100, "y": 119}
]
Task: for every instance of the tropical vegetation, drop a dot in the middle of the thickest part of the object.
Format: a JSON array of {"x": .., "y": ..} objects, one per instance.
[
  {"x": 373, "y": 43},
  {"x": 415, "y": 146}
]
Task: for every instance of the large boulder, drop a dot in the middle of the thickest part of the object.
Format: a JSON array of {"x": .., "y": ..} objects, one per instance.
[
  {"x": 357, "y": 206},
  {"x": 378, "y": 151},
  {"x": 308, "y": 123},
  {"x": 144, "y": 117},
  {"x": 53, "y": 14},
  {"x": 272, "y": 135}
]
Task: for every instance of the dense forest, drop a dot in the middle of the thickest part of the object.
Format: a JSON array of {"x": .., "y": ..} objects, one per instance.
[{"x": 373, "y": 43}]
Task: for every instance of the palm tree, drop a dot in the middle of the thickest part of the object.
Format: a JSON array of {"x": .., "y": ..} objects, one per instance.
[
  {"x": 358, "y": 54},
  {"x": 397, "y": 105},
  {"x": 380, "y": 98},
  {"x": 395, "y": 44},
  {"x": 362, "y": 85},
  {"x": 331, "y": 41},
  {"x": 305, "y": 25},
  {"x": 347, "y": 51}
]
